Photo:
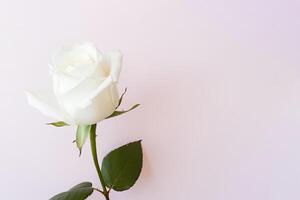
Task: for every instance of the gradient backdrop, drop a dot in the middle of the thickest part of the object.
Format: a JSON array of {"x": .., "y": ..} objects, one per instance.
[{"x": 219, "y": 87}]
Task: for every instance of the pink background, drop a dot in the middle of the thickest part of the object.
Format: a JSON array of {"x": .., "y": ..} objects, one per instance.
[{"x": 219, "y": 87}]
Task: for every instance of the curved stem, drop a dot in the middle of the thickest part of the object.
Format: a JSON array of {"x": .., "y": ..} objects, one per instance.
[{"x": 95, "y": 158}]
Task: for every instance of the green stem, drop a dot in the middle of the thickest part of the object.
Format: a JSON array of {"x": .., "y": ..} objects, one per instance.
[{"x": 95, "y": 158}]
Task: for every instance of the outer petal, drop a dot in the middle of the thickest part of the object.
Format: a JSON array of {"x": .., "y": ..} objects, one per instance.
[
  {"x": 63, "y": 83},
  {"x": 46, "y": 103},
  {"x": 114, "y": 61},
  {"x": 81, "y": 95},
  {"x": 96, "y": 106}
]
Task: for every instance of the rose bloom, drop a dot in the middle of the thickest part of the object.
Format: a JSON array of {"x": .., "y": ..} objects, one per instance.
[{"x": 84, "y": 88}]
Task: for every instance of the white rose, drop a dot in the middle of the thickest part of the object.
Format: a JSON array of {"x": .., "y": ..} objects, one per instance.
[{"x": 84, "y": 85}]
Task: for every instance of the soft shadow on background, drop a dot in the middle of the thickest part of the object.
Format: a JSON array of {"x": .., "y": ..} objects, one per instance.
[{"x": 218, "y": 83}]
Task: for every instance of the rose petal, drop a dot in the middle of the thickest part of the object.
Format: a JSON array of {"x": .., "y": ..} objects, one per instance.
[
  {"x": 46, "y": 103},
  {"x": 114, "y": 60},
  {"x": 73, "y": 64},
  {"x": 68, "y": 54},
  {"x": 63, "y": 83},
  {"x": 92, "y": 108},
  {"x": 82, "y": 94}
]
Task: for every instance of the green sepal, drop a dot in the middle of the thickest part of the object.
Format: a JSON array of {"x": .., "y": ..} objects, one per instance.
[
  {"x": 117, "y": 112},
  {"x": 121, "y": 98},
  {"x": 122, "y": 166},
  {"x": 58, "y": 124},
  {"x": 78, "y": 192},
  {"x": 82, "y": 134}
]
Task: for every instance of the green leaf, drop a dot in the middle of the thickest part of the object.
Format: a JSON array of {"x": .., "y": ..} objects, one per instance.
[
  {"x": 81, "y": 135},
  {"x": 58, "y": 124},
  {"x": 122, "y": 166},
  {"x": 78, "y": 192},
  {"x": 117, "y": 113}
]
